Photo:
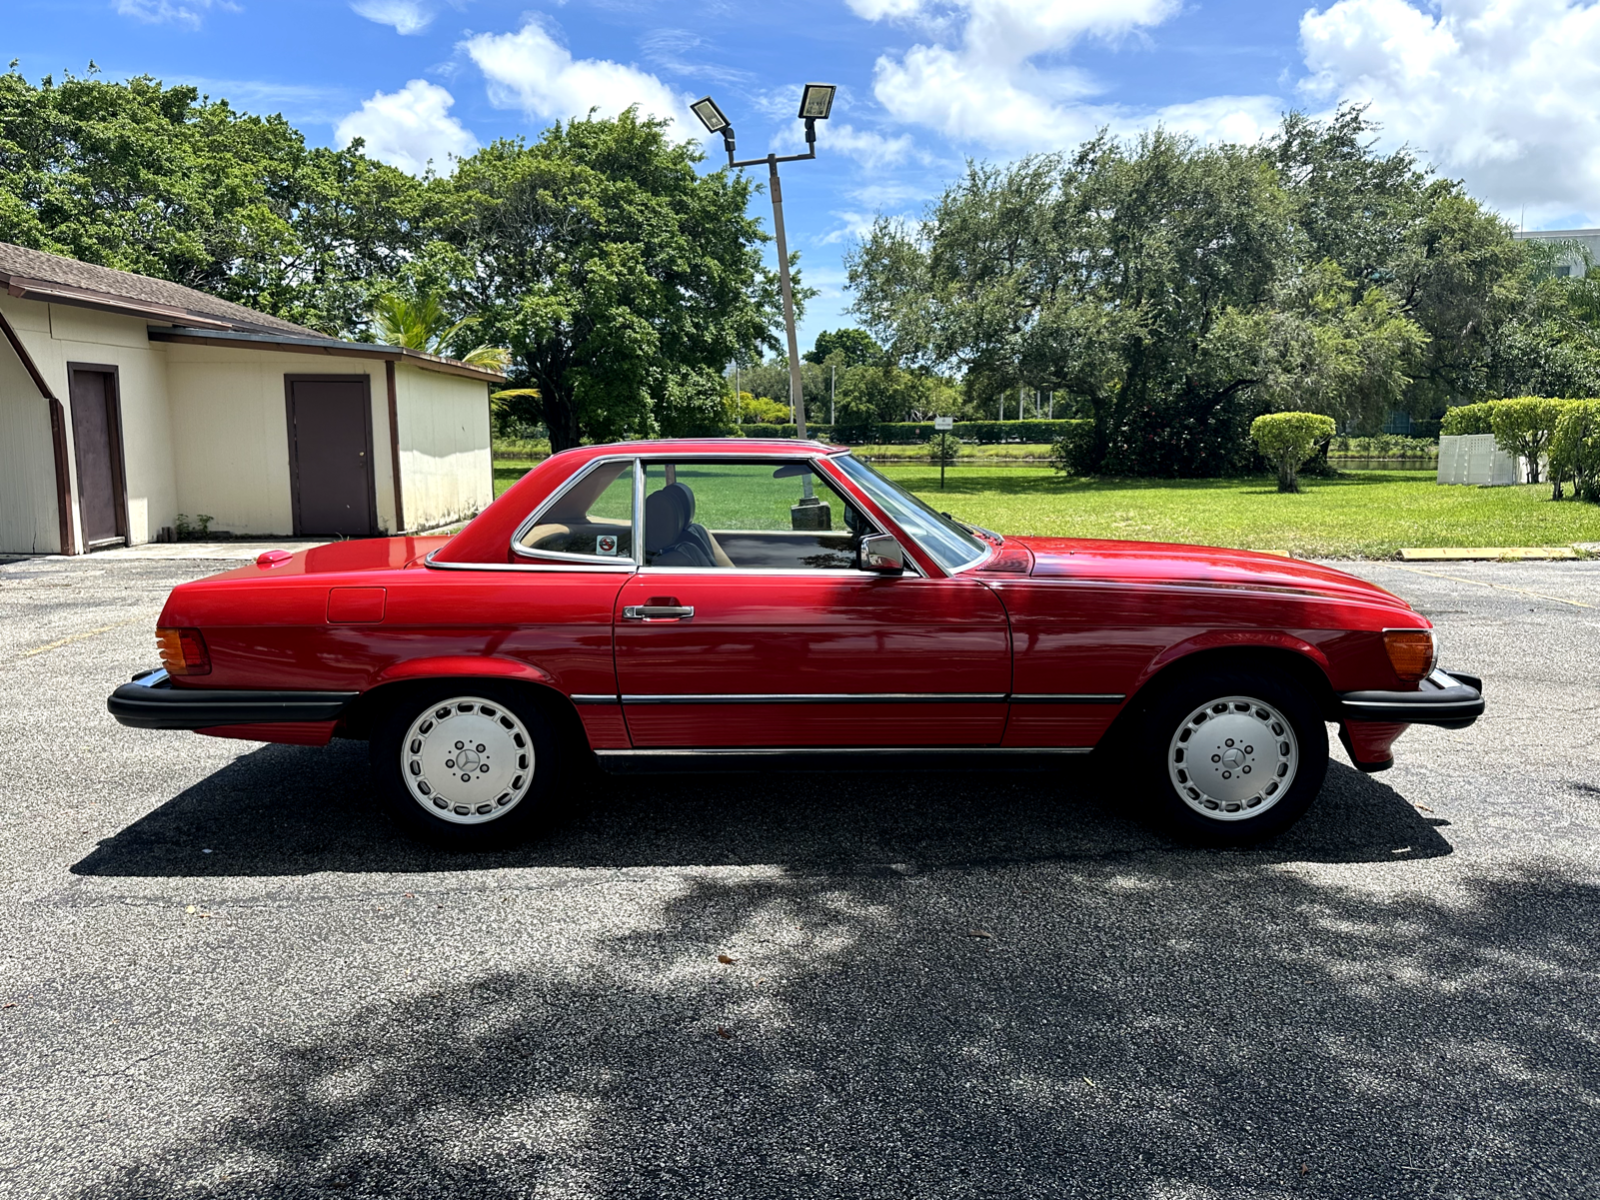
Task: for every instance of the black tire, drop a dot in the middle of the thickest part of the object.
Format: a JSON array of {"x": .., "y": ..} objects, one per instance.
[
  {"x": 1190, "y": 795},
  {"x": 515, "y": 780}
]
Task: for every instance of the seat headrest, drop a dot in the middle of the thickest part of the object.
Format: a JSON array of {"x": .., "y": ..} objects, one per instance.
[
  {"x": 664, "y": 519},
  {"x": 686, "y": 497}
]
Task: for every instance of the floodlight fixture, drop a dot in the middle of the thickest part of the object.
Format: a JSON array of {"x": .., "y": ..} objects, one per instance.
[
  {"x": 710, "y": 115},
  {"x": 816, "y": 101}
]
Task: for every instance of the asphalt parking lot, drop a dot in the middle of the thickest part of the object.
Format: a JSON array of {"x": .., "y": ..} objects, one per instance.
[{"x": 223, "y": 974}]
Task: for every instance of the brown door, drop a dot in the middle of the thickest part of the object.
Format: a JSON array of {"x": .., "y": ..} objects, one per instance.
[
  {"x": 97, "y": 438},
  {"x": 330, "y": 455}
]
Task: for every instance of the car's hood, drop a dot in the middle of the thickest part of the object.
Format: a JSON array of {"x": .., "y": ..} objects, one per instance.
[{"x": 1195, "y": 566}]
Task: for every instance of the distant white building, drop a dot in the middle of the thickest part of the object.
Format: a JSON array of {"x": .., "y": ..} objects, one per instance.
[{"x": 1573, "y": 263}]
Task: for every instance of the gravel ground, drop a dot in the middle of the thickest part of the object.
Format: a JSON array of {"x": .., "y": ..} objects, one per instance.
[{"x": 224, "y": 975}]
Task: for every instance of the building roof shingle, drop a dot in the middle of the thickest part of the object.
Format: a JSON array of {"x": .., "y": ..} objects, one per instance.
[{"x": 38, "y": 275}]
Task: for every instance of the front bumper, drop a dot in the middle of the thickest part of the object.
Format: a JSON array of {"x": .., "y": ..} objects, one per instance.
[
  {"x": 151, "y": 702},
  {"x": 1448, "y": 699}
]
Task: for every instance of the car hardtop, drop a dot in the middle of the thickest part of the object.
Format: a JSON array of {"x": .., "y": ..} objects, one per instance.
[
  {"x": 732, "y": 447},
  {"x": 487, "y": 536}
]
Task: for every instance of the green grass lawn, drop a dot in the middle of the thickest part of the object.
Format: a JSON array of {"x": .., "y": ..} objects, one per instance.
[{"x": 1368, "y": 514}]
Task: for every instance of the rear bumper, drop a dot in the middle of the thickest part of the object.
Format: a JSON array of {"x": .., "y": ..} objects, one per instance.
[
  {"x": 1451, "y": 700},
  {"x": 151, "y": 702}
]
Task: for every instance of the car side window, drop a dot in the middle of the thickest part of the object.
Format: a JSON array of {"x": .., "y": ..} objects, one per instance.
[
  {"x": 592, "y": 519},
  {"x": 747, "y": 515}
]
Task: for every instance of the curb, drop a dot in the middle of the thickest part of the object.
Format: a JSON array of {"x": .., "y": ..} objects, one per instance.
[{"x": 1487, "y": 553}]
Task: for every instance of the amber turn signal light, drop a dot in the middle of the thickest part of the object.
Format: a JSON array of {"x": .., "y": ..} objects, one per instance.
[
  {"x": 1411, "y": 652},
  {"x": 183, "y": 652}
]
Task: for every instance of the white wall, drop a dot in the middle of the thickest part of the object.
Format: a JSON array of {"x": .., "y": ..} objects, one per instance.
[
  {"x": 445, "y": 467},
  {"x": 230, "y": 418},
  {"x": 28, "y": 523},
  {"x": 56, "y": 335}
]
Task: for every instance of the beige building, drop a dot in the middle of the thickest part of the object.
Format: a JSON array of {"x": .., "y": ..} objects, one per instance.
[{"x": 126, "y": 401}]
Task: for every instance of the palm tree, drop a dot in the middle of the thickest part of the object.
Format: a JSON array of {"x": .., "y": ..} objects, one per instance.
[{"x": 418, "y": 321}]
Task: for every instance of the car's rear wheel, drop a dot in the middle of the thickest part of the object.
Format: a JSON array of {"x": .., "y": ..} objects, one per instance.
[
  {"x": 1233, "y": 755},
  {"x": 466, "y": 764}
]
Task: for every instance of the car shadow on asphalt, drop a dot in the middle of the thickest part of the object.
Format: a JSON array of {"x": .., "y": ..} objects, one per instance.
[
  {"x": 291, "y": 810},
  {"x": 1147, "y": 1029}
]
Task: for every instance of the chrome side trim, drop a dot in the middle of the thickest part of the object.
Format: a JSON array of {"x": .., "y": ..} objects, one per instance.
[
  {"x": 545, "y": 568},
  {"x": 1069, "y": 698},
  {"x": 1419, "y": 705},
  {"x": 791, "y": 572},
  {"x": 532, "y": 519},
  {"x": 862, "y": 751},
  {"x": 827, "y": 698},
  {"x": 594, "y": 699}
]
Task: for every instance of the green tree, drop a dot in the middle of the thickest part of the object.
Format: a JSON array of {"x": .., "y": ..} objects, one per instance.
[
  {"x": 1171, "y": 291},
  {"x": 1101, "y": 275},
  {"x": 1575, "y": 449},
  {"x": 165, "y": 182},
  {"x": 418, "y": 321},
  {"x": 1287, "y": 439},
  {"x": 616, "y": 274},
  {"x": 1523, "y": 428},
  {"x": 854, "y": 348},
  {"x": 761, "y": 410},
  {"x": 1550, "y": 345}
]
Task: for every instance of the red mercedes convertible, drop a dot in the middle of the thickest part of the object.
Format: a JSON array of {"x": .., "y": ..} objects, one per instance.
[{"x": 757, "y": 602}]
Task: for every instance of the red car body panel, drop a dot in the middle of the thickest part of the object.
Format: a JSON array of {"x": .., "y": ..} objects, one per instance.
[
  {"x": 844, "y": 634},
  {"x": 1040, "y": 645}
]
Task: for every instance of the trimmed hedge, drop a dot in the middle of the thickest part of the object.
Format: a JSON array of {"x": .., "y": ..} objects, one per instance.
[
  {"x": 907, "y": 433},
  {"x": 1575, "y": 448},
  {"x": 1467, "y": 419},
  {"x": 1287, "y": 439}
]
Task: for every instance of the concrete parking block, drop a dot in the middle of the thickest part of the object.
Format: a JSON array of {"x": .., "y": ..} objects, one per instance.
[{"x": 1486, "y": 553}]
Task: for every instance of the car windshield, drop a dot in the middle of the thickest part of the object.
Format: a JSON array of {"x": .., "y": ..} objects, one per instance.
[{"x": 951, "y": 546}]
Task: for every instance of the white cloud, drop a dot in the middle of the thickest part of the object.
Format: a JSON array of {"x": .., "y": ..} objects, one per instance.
[
  {"x": 868, "y": 148},
  {"x": 1214, "y": 119},
  {"x": 409, "y": 127},
  {"x": 407, "y": 16},
  {"x": 877, "y": 10},
  {"x": 855, "y": 225},
  {"x": 187, "y": 13},
  {"x": 992, "y": 73},
  {"x": 1499, "y": 92},
  {"x": 531, "y": 71}
]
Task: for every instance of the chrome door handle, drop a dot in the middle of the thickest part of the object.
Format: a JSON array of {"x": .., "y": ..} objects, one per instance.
[{"x": 657, "y": 612}]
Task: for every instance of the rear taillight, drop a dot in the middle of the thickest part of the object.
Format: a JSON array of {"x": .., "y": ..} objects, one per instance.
[
  {"x": 1411, "y": 652},
  {"x": 183, "y": 652}
]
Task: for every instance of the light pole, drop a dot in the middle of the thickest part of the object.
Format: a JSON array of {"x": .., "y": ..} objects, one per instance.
[{"x": 816, "y": 102}]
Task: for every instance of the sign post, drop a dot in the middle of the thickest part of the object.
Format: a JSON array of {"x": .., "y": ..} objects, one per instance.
[{"x": 942, "y": 426}]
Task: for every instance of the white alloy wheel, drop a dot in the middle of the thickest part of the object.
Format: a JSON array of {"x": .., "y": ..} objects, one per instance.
[
  {"x": 1233, "y": 758},
  {"x": 467, "y": 760}
]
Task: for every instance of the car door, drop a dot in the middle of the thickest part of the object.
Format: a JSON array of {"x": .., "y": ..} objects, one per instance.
[{"x": 788, "y": 644}]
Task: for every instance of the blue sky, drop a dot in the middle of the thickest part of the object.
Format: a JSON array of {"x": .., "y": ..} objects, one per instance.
[{"x": 1497, "y": 92}]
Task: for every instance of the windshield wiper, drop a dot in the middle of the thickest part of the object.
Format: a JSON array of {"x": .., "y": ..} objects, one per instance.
[{"x": 990, "y": 534}]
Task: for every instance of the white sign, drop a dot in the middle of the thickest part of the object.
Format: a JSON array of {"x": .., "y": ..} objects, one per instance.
[
  {"x": 944, "y": 424},
  {"x": 606, "y": 544}
]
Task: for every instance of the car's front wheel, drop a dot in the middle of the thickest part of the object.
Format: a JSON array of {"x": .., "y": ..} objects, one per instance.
[
  {"x": 466, "y": 764},
  {"x": 1234, "y": 756}
]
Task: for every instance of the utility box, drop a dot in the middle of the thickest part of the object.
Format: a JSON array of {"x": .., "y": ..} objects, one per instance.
[
  {"x": 811, "y": 513},
  {"x": 1473, "y": 459}
]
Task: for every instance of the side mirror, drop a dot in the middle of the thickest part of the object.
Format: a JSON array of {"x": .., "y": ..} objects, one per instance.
[{"x": 880, "y": 552}]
